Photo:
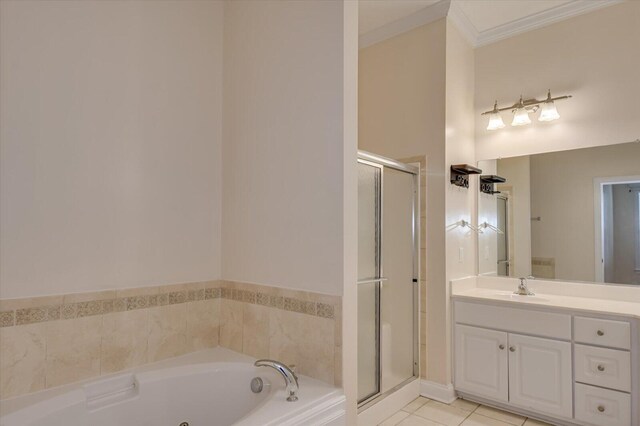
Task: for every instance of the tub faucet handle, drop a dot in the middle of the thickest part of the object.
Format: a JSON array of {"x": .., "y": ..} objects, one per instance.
[{"x": 290, "y": 378}]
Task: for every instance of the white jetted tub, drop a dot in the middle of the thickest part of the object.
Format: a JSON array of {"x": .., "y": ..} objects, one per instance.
[{"x": 206, "y": 388}]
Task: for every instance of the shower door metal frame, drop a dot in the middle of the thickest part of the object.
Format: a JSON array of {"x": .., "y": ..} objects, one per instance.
[{"x": 381, "y": 163}]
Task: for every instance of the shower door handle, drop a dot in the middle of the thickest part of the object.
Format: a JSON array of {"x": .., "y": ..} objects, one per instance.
[{"x": 372, "y": 280}]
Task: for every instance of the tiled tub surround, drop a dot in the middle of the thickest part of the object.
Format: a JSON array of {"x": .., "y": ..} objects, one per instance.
[{"x": 53, "y": 340}]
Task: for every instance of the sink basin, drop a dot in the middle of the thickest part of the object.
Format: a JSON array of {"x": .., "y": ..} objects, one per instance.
[{"x": 519, "y": 298}]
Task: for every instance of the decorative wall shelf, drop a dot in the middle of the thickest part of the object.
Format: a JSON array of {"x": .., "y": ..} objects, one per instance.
[
  {"x": 487, "y": 183},
  {"x": 460, "y": 174}
]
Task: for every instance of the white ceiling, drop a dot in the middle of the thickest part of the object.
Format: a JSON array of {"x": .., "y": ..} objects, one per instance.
[{"x": 482, "y": 21}]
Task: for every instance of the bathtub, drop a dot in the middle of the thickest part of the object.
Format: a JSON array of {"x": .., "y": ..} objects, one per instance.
[{"x": 210, "y": 387}]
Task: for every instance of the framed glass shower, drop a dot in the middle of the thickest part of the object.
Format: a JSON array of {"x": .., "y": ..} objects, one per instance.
[{"x": 388, "y": 276}]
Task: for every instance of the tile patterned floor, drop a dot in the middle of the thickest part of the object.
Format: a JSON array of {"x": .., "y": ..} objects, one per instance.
[{"x": 425, "y": 412}]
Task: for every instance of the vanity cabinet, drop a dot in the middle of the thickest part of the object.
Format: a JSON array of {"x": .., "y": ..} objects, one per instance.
[
  {"x": 540, "y": 374},
  {"x": 572, "y": 368},
  {"x": 481, "y": 362},
  {"x": 527, "y": 371}
]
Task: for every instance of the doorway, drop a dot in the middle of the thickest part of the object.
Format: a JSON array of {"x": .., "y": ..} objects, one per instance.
[{"x": 617, "y": 212}]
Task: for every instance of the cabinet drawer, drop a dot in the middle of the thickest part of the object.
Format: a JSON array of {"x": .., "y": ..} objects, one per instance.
[
  {"x": 602, "y": 406},
  {"x": 524, "y": 321},
  {"x": 616, "y": 334},
  {"x": 610, "y": 368}
]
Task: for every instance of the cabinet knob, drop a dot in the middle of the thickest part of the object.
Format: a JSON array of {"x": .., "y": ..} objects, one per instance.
[
  {"x": 601, "y": 408},
  {"x": 600, "y": 367},
  {"x": 512, "y": 348},
  {"x": 600, "y": 333},
  {"x": 501, "y": 347}
]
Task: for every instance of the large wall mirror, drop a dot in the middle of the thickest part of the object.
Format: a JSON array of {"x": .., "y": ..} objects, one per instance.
[{"x": 569, "y": 215}]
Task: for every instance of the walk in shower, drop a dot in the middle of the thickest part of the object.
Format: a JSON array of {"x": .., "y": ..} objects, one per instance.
[{"x": 388, "y": 270}]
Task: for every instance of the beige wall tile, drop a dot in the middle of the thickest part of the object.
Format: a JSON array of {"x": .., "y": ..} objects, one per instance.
[
  {"x": 87, "y": 297},
  {"x": 30, "y": 302},
  {"x": 73, "y": 350},
  {"x": 203, "y": 326},
  {"x": 22, "y": 360},
  {"x": 423, "y": 263},
  {"x": 423, "y": 361},
  {"x": 124, "y": 340},
  {"x": 69, "y": 339},
  {"x": 213, "y": 284},
  {"x": 231, "y": 324},
  {"x": 303, "y": 340},
  {"x": 137, "y": 291},
  {"x": 255, "y": 331},
  {"x": 167, "y": 331},
  {"x": 337, "y": 366},
  {"x": 337, "y": 322}
]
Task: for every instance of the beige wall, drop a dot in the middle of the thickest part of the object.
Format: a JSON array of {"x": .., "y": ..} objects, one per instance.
[
  {"x": 592, "y": 56},
  {"x": 460, "y": 202},
  {"x": 111, "y": 144},
  {"x": 349, "y": 337},
  {"x": 402, "y": 114},
  {"x": 416, "y": 97},
  {"x": 283, "y": 144},
  {"x": 562, "y": 194}
]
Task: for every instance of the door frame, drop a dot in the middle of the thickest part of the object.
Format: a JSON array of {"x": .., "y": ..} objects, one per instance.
[
  {"x": 382, "y": 162},
  {"x": 598, "y": 184}
]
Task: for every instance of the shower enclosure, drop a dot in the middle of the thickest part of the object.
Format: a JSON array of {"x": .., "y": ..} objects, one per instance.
[{"x": 388, "y": 270}]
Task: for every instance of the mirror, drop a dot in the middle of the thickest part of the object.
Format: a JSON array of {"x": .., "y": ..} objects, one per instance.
[{"x": 569, "y": 215}]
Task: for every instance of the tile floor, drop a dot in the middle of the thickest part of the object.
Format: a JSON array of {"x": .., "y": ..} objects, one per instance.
[{"x": 425, "y": 412}]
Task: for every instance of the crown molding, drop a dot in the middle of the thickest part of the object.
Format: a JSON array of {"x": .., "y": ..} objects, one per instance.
[
  {"x": 539, "y": 20},
  {"x": 463, "y": 23},
  {"x": 421, "y": 17},
  {"x": 452, "y": 10}
]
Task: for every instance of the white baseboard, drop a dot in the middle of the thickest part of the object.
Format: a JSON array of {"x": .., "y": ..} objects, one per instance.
[{"x": 437, "y": 391}]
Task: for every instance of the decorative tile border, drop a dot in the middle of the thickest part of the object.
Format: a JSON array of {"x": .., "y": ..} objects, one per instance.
[
  {"x": 320, "y": 309},
  {"x": 226, "y": 290}
]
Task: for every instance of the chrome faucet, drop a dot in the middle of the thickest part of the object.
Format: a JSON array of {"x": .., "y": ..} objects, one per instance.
[
  {"x": 289, "y": 376},
  {"x": 523, "y": 289}
]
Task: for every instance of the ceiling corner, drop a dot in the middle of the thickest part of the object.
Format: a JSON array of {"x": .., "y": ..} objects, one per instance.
[{"x": 463, "y": 23}]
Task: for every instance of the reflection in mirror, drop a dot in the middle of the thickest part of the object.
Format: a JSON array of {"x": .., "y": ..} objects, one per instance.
[{"x": 570, "y": 215}]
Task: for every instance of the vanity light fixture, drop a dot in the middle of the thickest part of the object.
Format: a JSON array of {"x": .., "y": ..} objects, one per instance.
[
  {"x": 522, "y": 109},
  {"x": 548, "y": 110},
  {"x": 495, "y": 119},
  {"x": 520, "y": 115}
]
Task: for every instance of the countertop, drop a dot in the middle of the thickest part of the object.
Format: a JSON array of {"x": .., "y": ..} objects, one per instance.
[{"x": 501, "y": 291}]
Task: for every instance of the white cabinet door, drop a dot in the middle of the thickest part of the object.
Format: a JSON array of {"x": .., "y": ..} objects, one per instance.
[
  {"x": 481, "y": 362},
  {"x": 540, "y": 375}
]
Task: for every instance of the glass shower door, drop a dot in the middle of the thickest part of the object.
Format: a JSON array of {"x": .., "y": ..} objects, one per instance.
[
  {"x": 397, "y": 300},
  {"x": 387, "y": 276},
  {"x": 369, "y": 184}
]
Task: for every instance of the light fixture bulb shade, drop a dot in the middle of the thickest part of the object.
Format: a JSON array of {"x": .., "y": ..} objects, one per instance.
[
  {"x": 495, "y": 121},
  {"x": 548, "y": 112},
  {"x": 521, "y": 117}
]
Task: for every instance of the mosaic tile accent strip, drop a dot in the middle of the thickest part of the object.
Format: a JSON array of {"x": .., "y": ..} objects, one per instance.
[
  {"x": 7, "y": 318},
  {"x": 225, "y": 290}
]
